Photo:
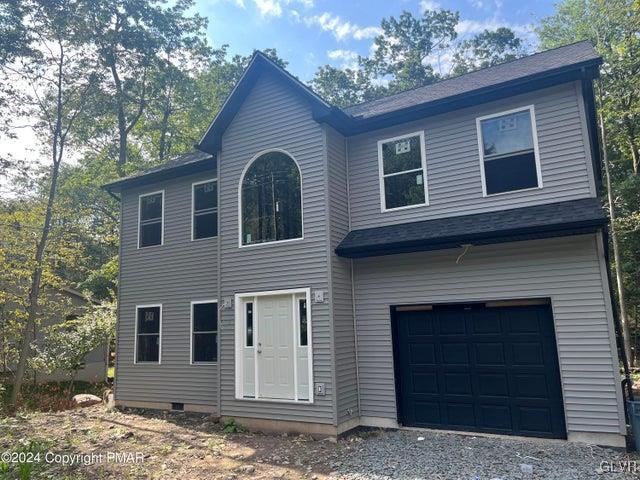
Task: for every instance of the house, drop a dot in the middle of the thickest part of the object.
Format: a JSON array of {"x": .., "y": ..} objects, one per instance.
[{"x": 435, "y": 258}]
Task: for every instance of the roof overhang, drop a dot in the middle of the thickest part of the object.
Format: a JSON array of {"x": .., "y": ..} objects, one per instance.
[{"x": 574, "y": 217}]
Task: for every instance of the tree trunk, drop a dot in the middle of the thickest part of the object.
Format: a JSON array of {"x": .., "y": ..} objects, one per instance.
[{"x": 626, "y": 335}]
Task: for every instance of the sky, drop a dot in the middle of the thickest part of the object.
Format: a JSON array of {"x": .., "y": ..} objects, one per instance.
[{"x": 311, "y": 33}]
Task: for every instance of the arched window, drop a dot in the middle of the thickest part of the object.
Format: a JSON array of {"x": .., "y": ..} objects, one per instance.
[{"x": 271, "y": 200}]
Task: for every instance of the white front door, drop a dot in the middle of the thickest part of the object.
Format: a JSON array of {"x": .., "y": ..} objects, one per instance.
[{"x": 275, "y": 347}]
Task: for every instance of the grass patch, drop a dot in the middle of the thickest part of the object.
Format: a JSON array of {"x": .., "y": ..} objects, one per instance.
[{"x": 49, "y": 397}]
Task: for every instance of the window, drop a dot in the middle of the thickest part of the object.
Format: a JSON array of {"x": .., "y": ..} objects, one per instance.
[
  {"x": 271, "y": 200},
  {"x": 204, "y": 209},
  {"x": 148, "y": 337},
  {"x": 302, "y": 311},
  {"x": 402, "y": 166},
  {"x": 509, "y": 158},
  {"x": 249, "y": 325},
  {"x": 204, "y": 335},
  {"x": 150, "y": 213}
]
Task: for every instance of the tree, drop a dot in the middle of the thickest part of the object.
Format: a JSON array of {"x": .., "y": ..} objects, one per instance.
[
  {"x": 487, "y": 49},
  {"x": 345, "y": 87},
  {"x": 59, "y": 80},
  {"x": 66, "y": 345},
  {"x": 612, "y": 26}
]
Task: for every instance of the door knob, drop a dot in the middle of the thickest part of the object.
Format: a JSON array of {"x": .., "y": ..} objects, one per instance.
[{"x": 259, "y": 349}]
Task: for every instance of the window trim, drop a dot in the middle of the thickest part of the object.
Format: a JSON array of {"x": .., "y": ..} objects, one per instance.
[
  {"x": 161, "y": 218},
  {"x": 135, "y": 343},
  {"x": 239, "y": 343},
  {"x": 244, "y": 171},
  {"x": 382, "y": 176},
  {"x": 193, "y": 211},
  {"x": 536, "y": 151},
  {"x": 191, "y": 332}
]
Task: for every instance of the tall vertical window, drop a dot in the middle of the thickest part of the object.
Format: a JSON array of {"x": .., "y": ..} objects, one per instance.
[
  {"x": 205, "y": 209},
  {"x": 249, "y": 324},
  {"x": 148, "y": 337},
  {"x": 204, "y": 334},
  {"x": 150, "y": 213},
  {"x": 271, "y": 199},
  {"x": 509, "y": 157},
  {"x": 302, "y": 312},
  {"x": 403, "y": 171}
]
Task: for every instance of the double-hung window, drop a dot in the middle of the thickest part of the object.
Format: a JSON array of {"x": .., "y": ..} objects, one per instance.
[
  {"x": 204, "y": 209},
  {"x": 509, "y": 158},
  {"x": 204, "y": 332},
  {"x": 148, "y": 333},
  {"x": 403, "y": 172},
  {"x": 150, "y": 219}
]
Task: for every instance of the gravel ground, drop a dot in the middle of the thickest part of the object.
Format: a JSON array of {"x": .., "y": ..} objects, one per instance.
[{"x": 417, "y": 455}]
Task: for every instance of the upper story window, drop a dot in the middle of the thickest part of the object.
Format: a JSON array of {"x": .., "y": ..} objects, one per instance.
[
  {"x": 204, "y": 200},
  {"x": 403, "y": 172},
  {"x": 271, "y": 200},
  {"x": 509, "y": 158},
  {"x": 150, "y": 218}
]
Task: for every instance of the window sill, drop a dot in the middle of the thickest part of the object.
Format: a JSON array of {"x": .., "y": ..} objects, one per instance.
[
  {"x": 150, "y": 246},
  {"x": 275, "y": 242},
  {"x": 147, "y": 363},
  {"x": 530, "y": 189},
  {"x": 203, "y": 238},
  {"x": 205, "y": 363},
  {"x": 406, "y": 207},
  {"x": 274, "y": 400}
]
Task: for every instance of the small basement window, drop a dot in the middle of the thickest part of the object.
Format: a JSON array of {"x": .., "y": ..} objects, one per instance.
[
  {"x": 402, "y": 168},
  {"x": 204, "y": 341},
  {"x": 205, "y": 209},
  {"x": 150, "y": 214},
  {"x": 148, "y": 339},
  {"x": 509, "y": 158}
]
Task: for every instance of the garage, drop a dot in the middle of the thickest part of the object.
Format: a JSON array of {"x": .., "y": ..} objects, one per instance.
[{"x": 486, "y": 367}]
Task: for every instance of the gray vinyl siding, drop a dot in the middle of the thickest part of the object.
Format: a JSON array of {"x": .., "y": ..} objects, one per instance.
[
  {"x": 272, "y": 117},
  {"x": 453, "y": 165},
  {"x": 568, "y": 270},
  {"x": 173, "y": 274},
  {"x": 341, "y": 298}
]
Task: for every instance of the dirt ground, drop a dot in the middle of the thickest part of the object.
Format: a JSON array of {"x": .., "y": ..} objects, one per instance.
[{"x": 156, "y": 445}]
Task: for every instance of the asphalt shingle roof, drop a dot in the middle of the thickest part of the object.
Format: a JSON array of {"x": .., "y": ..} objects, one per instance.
[
  {"x": 481, "y": 228},
  {"x": 537, "y": 63}
]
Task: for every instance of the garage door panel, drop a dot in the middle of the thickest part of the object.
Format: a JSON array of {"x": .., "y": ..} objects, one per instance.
[{"x": 479, "y": 369}]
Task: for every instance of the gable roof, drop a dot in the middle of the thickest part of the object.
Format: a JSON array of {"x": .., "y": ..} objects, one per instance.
[{"x": 577, "y": 61}]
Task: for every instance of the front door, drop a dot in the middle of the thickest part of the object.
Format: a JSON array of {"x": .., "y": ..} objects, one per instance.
[{"x": 275, "y": 348}]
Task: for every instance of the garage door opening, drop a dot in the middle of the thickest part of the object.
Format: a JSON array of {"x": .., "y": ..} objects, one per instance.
[{"x": 486, "y": 367}]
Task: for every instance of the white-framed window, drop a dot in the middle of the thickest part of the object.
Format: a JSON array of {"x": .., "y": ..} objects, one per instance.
[
  {"x": 151, "y": 219},
  {"x": 148, "y": 334},
  {"x": 509, "y": 155},
  {"x": 274, "y": 346},
  {"x": 204, "y": 331},
  {"x": 270, "y": 200},
  {"x": 402, "y": 168},
  {"x": 204, "y": 209}
]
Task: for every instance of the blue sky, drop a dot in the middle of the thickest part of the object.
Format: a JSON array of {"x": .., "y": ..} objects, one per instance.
[{"x": 310, "y": 33}]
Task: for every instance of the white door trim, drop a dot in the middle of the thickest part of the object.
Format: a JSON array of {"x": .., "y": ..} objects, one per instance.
[{"x": 240, "y": 340}]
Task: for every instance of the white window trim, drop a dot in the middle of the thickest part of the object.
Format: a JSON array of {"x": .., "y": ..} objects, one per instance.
[
  {"x": 536, "y": 151},
  {"x": 200, "y": 302},
  {"x": 135, "y": 343},
  {"x": 382, "y": 176},
  {"x": 193, "y": 211},
  {"x": 244, "y": 171},
  {"x": 240, "y": 342},
  {"x": 140, "y": 197}
]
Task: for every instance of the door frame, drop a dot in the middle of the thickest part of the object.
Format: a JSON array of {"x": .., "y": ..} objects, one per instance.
[{"x": 239, "y": 341}]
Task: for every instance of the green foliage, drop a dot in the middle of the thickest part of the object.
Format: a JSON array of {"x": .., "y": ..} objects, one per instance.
[
  {"x": 230, "y": 426},
  {"x": 486, "y": 49}
]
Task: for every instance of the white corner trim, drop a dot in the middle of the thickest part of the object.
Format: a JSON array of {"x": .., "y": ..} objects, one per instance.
[
  {"x": 536, "y": 149},
  {"x": 239, "y": 339},
  {"x": 244, "y": 171},
  {"x": 382, "y": 176},
  {"x": 135, "y": 337},
  {"x": 140, "y": 197},
  {"x": 199, "y": 302}
]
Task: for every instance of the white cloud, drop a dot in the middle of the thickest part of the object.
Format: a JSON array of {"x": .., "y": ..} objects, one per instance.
[
  {"x": 239, "y": 3},
  {"x": 478, "y": 4},
  {"x": 429, "y": 5},
  {"x": 275, "y": 8},
  {"x": 269, "y": 8},
  {"x": 341, "y": 29},
  {"x": 347, "y": 58}
]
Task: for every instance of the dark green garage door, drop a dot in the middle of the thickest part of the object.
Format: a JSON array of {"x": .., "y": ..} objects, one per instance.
[{"x": 479, "y": 368}]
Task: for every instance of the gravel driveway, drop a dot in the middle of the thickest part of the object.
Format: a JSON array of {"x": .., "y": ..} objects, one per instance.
[{"x": 429, "y": 455}]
